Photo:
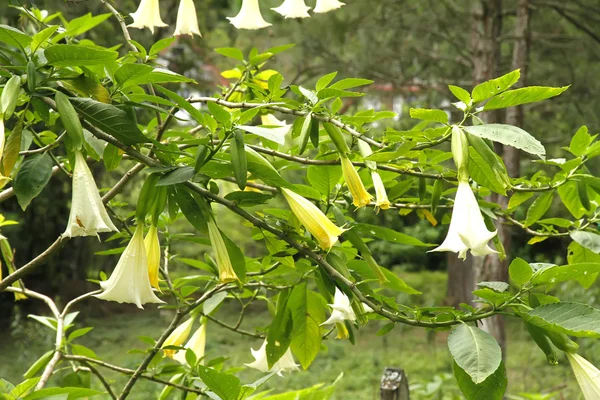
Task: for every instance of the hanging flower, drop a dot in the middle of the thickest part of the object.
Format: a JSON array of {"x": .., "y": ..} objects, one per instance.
[
  {"x": 587, "y": 376},
  {"x": 284, "y": 364},
  {"x": 147, "y": 16},
  {"x": 152, "y": 246},
  {"x": 342, "y": 309},
  {"x": 88, "y": 215},
  {"x": 313, "y": 219},
  {"x": 226, "y": 272},
  {"x": 129, "y": 282},
  {"x": 381, "y": 199},
  {"x": 249, "y": 16},
  {"x": 467, "y": 229},
  {"x": 282, "y": 128},
  {"x": 293, "y": 9},
  {"x": 197, "y": 344},
  {"x": 324, "y": 6},
  {"x": 360, "y": 196},
  {"x": 177, "y": 337},
  {"x": 187, "y": 20}
]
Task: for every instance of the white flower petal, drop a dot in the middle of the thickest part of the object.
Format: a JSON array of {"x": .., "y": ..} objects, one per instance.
[
  {"x": 147, "y": 16},
  {"x": 249, "y": 16},
  {"x": 587, "y": 375},
  {"x": 293, "y": 9},
  {"x": 187, "y": 20},
  {"x": 324, "y": 6}
]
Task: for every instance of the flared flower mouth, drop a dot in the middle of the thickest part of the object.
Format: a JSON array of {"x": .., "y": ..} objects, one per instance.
[
  {"x": 147, "y": 16},
  {"x": 467, "y": 229},
  {"x": 293, "y": 9},
  {"x": 324, "y": 6},
  {"x": 342, "y": 309},
  {"x": 360, "y": 196},
  {"x": 284, "y": 364},
  {"x": 313, "y": 219},
  {"x": 587, "y": 375},
  {"x": 187, "y": 20},
  {"x": 129, "y": 282},
  {"x": 88, "y": 215},
  {"x": 249, "y": 16},
  {"x": 381, "y": 199}
]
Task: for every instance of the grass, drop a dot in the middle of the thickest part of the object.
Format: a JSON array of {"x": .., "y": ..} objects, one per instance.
[{"x": 422, "y": 354}]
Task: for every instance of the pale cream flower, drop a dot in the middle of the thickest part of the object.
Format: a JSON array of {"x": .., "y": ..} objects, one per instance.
[
  {"x": 381, "y": 199},
  {"x": 341, "y": 309},
  {"x": 147, "y": 16},
  {"x": 187, "y": 20},
  {"x": 88, "y": 215},
  {"x": 129, "y": 282},
  {"x": 467, "y": 229},
  {"x": 152, "y": 246},
  {"x": 587, "y": 376},
  {"x": 282, "y": 128},
  {"x": 360, "y": 196},
  {"x": 284, "y": 364},
  {"x": 293, "y": 9},
  {"x": 177, "y": 337},
  {"x": 313, "y": 219},
  {"x": 324, "y": 6},
  {"x": 197, "y": 344},
  {"x": 249, "y": 16},
  {"x": 226, "y": 272}
]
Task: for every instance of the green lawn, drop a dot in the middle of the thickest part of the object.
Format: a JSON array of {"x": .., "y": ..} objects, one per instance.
[{"x": 422, "y": 354}]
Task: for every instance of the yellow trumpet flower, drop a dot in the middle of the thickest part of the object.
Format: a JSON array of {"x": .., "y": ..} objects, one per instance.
[
  {"x": 197, "y": 344},
  {"x": 226, "y": 272},
  {"x": 381, "y": 199},
  {"x": 313, "y": 219},
  {"x": 360, "y": 196},
  {"x": 152, "y": 246},
  {"x": 177, "y": 337}
]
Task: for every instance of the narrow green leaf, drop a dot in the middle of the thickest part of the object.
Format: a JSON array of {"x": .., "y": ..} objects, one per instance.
[
  {"x": 539, "y": 207},
  {"x": 429, "y": 115},
  {"x": 509, "y": 135},
  {"x": 66, "y": 55},
  {"x": 517, "y": 97}
]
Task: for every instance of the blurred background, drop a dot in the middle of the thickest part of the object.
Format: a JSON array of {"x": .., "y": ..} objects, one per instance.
[{"x": 411, "y": 50}]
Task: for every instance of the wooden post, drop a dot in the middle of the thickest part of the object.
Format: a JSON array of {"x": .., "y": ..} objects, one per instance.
[{"x": 394, "y": 385}]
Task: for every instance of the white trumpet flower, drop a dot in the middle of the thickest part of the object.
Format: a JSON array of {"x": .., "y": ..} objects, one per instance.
[
  {"x": 467, "y": 229},
  {"x": 197, "y": 344},
  {"x": 342, "y": 309},
  {"x": 588, "y": 376},
  {"x": 249, "y": 16},
  {"x": 88, "y": 215},
  {"x": 293, "y": 9},
  {"x": 187, "y": 20},
  {"x": 129, "y": 282},
  {"x": 281, "y": 128},
  {"x": 147, "y": 16},
  {"x": 381, "y": 201},
  {"x": 284, "y": 364},
  {"x": 324, "y": 6}
]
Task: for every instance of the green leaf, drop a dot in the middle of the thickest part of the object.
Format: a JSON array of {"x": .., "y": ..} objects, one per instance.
[
  {"x": 324, "y": 177},
  {"x": 22, "y": 388},
  {"x": 572, "y": 319},
  {"x": 388, "y": 234},
  {"x": 112, "y": 157},
  {"x": 492, "y": 296},
  {"x": 493, "y": 388},
  {"x": 78, "y": 333},
  {"x": 580, "y": 142},
  {"x": 279, "y": 336},
  {"x": 110, "y": 119},
  {"x": 508, "y": 135},
  {"x": 178, "y": 175},
  {"x": 38, "y": 365},
  {"x": 66, "y": 55},
  {"x": 231, "y": 52},
  {"x": 494, "y": 285},
  {"x": 521, "y": 96},
  {"x": 484, "y": 174},
  {"x": 161, "y": 45},
  {"x": 220, "y": 114},
  {"x": 157, "y": 75},
  {"x": 577, "y": 254},
  {"x": 569, "y": 195},
  {"x": 276, "y": 135},
  {"x": 32, "y": 177},
  {"x": 563, "y": 273},
  {"x": 307, "y": 315},
  {"x": 192, "y": 210},
  {"x": 476, "y": 352},
  {"x": 128, "y": 72},
  {"x": 460, "y": 94},
  {"x": 392, "y": 280},
  {"x": 519, "y": 198},
  {"x": 248, "y": 199},
  {"x": 349, "y": 83},
  {"x": 492, "y": 87},
  {"x": 183, "y": 103},
  {"x": 238, "y": 261},
  {"x": 14, "y": 37},
  {"x": 238, "y": 159},
  {"x": 72, "y": 392},
  {"x": 325, "y": 80},
  {"x": 70, "y": 120},
  {"x": 589, "y": 240},
  {"x": 539, "y": 207},
  {"x": 429, "y": 115},
  {"x": 520, "y": 271}
]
